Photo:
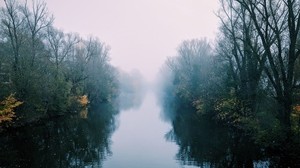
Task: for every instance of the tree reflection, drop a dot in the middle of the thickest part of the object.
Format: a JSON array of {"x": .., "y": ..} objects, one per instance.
[
  {"x": 67, "y": 142},
  {"x": 205, "y": 143}
]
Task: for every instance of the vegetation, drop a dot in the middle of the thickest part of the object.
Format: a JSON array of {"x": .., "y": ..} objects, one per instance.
[
  {"x": 250, "y": 81},
  {"x": 132, "y": 88},
  {"x": 64, "y": 142},
  {"x": 247, "y": 84},
  {"x": 7, "y": 107},
  {"x": 47, "y": 69}
]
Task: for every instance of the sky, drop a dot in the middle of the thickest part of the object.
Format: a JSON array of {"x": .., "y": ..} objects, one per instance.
[{"x": 140, "y": 33}]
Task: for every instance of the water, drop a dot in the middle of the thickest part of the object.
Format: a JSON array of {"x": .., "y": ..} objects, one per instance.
[
  {"x": 66, "y": 142},
  {"x": 140, "y": 140},
  {"x": 135, "y": 137},
  {"x": 108, "y": 138},
  {"x": 144, "y": 140}
]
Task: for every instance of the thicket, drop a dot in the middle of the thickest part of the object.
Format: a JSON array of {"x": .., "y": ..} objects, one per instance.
[
  {"x": 249, "y": 81},
  {"x": 47, "y": 69}
]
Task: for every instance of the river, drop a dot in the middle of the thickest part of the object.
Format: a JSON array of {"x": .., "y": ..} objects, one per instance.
[
  {"x": 108, "y": 138},
  {"x": 140, "y": 139},
  {"x": 147, "y": 135}
]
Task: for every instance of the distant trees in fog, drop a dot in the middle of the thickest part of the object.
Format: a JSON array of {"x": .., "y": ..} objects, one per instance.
[
  {"x": 132, "y": 87},
  {"x": 192, "y": 71}
]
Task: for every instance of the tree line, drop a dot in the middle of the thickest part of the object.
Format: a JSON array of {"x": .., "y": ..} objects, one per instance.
[
  {"x": 46, "y": 69},
  {"x": 249, "y": 80}
]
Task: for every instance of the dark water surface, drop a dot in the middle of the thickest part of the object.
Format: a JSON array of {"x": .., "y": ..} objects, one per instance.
[
  {"x": 106, "y": 138},
  {"x": 132, "y": 138},
  {"x": 66, "y": 142}
]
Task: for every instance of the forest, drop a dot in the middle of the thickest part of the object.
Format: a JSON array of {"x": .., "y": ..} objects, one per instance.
[
  {"x": 242, "y": 90},
  {"x": 248, "y": 81},
  {"x": 46, "y": 72}
]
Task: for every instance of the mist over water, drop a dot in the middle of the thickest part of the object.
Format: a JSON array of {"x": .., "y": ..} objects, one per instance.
[
  {"x": 145, "y": 84},
  {"x": 140, "y": 139}
]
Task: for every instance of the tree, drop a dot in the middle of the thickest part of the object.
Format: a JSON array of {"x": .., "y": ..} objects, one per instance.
[
  {"x": 192, "y": 72},
  {"x": 240, "y": 54},
  {"x": 47, "y": 68},
  {"x": 263, "y": 35},
  {"x": 277, "y": 25},
  {"x": 60, "y": 45},
  {"x": 37, "y": 21},
  {"x": 101, "y": 82},
  {"x": 12, "y": 26}
]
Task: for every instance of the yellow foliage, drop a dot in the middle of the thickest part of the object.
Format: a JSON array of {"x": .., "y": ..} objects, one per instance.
[
  {"x": 83, "y": 100},
  {"x": 7, "y": 107}
]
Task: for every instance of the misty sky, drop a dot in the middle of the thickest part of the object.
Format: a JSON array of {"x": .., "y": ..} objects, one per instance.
[{"x": 141, "y": 33}]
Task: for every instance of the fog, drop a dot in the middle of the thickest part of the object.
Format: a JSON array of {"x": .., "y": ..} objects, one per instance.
[
  {"x": 76, "y": 90},
  {"x": 141, "y": 34},
  {"x": 133, "y": 88}
]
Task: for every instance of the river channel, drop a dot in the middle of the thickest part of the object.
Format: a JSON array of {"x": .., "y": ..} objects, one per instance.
[
  {"x": 108, "y": 137},
  {"x": 140, "y": 140}
]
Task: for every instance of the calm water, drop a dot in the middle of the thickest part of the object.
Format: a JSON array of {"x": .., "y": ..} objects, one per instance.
[
  {"x": 66, "y": 142},
  {"x": 131, "y": 138},
  {"x": 140, "y": 139},
  {"x": 135, "y": 138}
]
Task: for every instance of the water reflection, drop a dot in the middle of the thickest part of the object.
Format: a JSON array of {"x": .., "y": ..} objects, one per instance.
[
  {"x": 130, "y": 100},
  {"x": 204, "y": 143},
  {"x": 139, "y": 141},
  {"x": 66, "y": 142}
]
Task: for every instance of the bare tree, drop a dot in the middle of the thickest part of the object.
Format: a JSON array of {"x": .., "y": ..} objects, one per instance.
[
  {"x": 37, "y": 20},
  {"x": 239, "y": 46},
  {"x": 13, "y": 25},
  {"x": 60, "y": 45},
  {"x": 275, "y": 24}
]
